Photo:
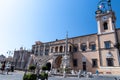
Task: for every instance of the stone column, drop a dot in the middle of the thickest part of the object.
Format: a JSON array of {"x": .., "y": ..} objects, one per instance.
[
  {"x": 39, "y": 50},
  {"x": 87, "y": 44},
  {"x": 35, "y": 50},
  {"x": 111, "y": 24},
  {"x": 58, "y": 49},
  {"x": 44, "y": 50},
  {"x": 99, "y": 27},
  {"x": 50, "y": 50},
  {"x": 62, "y": 48}
]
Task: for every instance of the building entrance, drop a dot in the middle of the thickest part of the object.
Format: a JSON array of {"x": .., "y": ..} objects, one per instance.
[{"x": 84, "y": 66}]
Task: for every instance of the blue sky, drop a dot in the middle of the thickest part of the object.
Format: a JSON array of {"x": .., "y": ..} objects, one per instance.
[{"x": 22, "y": 22}]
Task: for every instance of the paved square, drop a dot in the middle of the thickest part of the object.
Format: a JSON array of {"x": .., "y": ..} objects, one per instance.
[
  {"x": 95, "y": 78},
  {"x": 17, "y": 75}
]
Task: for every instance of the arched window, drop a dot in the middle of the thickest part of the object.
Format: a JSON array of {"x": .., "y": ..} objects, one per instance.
[
  {"x": 75, "y": 49},
  {"x": 64, "y": 48},
  {"x": 70, "y": 48},
  {"x": 105, "y": 26},
  {"x": 61, "y": 48},
  {"x": 52, "y": 49},
  {"x": 83, "y": 47},
  {"x": 56, "y": 49}
]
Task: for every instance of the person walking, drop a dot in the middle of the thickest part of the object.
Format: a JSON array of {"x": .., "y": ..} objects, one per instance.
[
  {"x": 0, "y": 65},
  {"x": 97, "y": 72},
  {"x": 3, "y": 67},
  {"x": 8, "y": 65}
]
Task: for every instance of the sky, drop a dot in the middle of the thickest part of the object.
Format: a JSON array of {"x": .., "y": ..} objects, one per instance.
[{"x": 22, "y": 22}]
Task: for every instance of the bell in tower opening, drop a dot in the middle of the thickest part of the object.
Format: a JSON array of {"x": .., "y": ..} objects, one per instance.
[{"x": 105, "y": 17}]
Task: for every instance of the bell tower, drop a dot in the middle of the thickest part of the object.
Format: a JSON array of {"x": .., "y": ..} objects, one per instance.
[{"x": 105, "y": 17}]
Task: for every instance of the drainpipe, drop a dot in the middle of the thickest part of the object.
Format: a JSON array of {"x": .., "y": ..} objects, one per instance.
[
  {"x": 117, "y": 41},
  {"x": 100, "y": 56}
]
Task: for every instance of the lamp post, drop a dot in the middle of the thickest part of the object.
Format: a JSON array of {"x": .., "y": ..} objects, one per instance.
[
  {"x": 9, "y": 53},
  {"x": 10, "y": 56}
]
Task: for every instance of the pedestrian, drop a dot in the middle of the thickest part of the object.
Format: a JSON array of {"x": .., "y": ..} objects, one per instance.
[
  {"x": 79, "y": 74},
  {"x": 115, "y": 78},
  {"x": 7, "y": 68},
  {"x": 3, "y": 67},
  {"x": 0, "y": 65},
  {"x": 97, "y": 72}
]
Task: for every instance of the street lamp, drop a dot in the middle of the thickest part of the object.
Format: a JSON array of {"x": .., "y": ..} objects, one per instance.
[{"x": 9, "y": 53}]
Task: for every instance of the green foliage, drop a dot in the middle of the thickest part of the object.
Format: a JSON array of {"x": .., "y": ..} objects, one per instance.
[
  {"x": 30, "y": 77},
  {"x": 44, "y": 68},
  {"x": 43, "y": 76},
  {"x": 67, "y": 70},
  {"x": 32, "y": 67}
]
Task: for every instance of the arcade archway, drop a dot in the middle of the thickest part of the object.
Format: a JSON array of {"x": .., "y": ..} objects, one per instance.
[{"x": 58, "y": 61}]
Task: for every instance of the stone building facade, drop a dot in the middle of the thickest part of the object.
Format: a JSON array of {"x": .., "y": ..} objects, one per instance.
[
  {"x": 21, "y": 58},
  {"x": 89, "y": 52},
  {"x": 99, "y": 51}
]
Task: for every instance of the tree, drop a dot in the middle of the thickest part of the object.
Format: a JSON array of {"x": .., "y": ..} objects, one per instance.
[{"x": 32, "y": 68}]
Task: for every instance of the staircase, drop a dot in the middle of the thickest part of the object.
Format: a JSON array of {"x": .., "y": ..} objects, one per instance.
[{"x": 42, "y": 60}]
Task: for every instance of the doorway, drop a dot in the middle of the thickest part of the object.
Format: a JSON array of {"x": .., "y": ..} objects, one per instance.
[{"x": 84, "y": 66}]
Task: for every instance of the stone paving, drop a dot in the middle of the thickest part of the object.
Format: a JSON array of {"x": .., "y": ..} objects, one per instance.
[
  {"x": 83, "y": 78},
  {"x": 18, "y": 75}
]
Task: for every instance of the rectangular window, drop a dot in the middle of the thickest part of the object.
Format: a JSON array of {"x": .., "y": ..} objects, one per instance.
[
  {"x": 109, "y": 61},
  {"x": 94, "y": 63},
  {"x": 93, "y": 47},
  {"x": 107, "y": 44},
  {"x": 75, "y": 62},
  {"x": 75, "y": 48}
]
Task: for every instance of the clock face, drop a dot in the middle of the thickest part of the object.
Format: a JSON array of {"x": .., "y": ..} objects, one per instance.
[{"x": 104, "y": 18}]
